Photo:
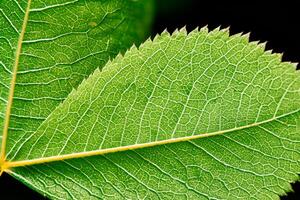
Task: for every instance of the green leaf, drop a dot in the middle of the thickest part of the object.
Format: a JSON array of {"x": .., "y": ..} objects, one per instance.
[
  {"x": 219, "y": 116},
  {"x": 48, "y": 47}
]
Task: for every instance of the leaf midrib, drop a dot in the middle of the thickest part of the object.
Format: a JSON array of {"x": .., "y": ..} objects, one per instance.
[
  {"x": 10, "y": 164},
  {"x": 12, "y": 84}
]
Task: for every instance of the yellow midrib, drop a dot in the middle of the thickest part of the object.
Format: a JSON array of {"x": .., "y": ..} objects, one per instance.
[
  {"x": 12, "y": 86},
  {"x": 10, "y": 164}
]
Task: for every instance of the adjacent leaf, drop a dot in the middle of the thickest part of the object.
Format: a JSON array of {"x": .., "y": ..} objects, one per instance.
[
  {"x": 48, "y": 47},
  {"x": 239, "y": 101}
]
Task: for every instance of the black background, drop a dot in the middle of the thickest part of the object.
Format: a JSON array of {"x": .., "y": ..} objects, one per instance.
[{"x": 275, "y": 22}]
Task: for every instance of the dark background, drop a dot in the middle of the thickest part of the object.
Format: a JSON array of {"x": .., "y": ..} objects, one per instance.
[{"x": 278, "y": 23}]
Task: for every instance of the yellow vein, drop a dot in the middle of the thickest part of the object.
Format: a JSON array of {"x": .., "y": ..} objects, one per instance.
[
  {"x": 12, "y": 84},
  {"x": 10, "y": 164}
]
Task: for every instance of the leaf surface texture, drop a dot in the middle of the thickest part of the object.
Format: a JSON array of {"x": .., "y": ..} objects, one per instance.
[
  {"x": 242, "y": 100},
  {"x": 61, "y": 42}
]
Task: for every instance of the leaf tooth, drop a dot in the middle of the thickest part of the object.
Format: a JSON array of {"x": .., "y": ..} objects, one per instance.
[
  {"x": 239, "y": 35},
  {"x": 223, "y": 32},
  {"x": 226, "y": 30},
  {"x": 107, "y": 65},
  {"x": 260, "y": 46},
  {"x": 217, "y": 29},
  {"x": 175, "y": 32},
  {"x": 263, "y": 45},
  {"x": 275, "y": 55},
  {"x": 120, "y": 56},
  {"x": 117, "y": 58},
  {"x": 204, "y": 29},
  {"x": 149, "y": 40},
  {"x": 246, "y": 36},
  {"x": 180, "y": 32},
  {"x": 74, "y": 89},
  {"x": 295, "y": 65},
  {"x": 183, "y": 30},
  {"x": 278, "y": 56},
  {"x": 109, "y": 61},
  {"x": 212, "y": 31},
  {"x": 195, "y": 30},
  {"x": 156, "y": 37},
  {"x": 268, "y": 52},
  {"x": 218, "y": 32},
  {"x": 255, "y": 42},
  {"x": 133, "y": 48},
  {"x": 165, "y": 33}
]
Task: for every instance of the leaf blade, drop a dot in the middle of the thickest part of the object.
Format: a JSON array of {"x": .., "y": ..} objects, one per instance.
[{"x": 254, "y": 162}]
